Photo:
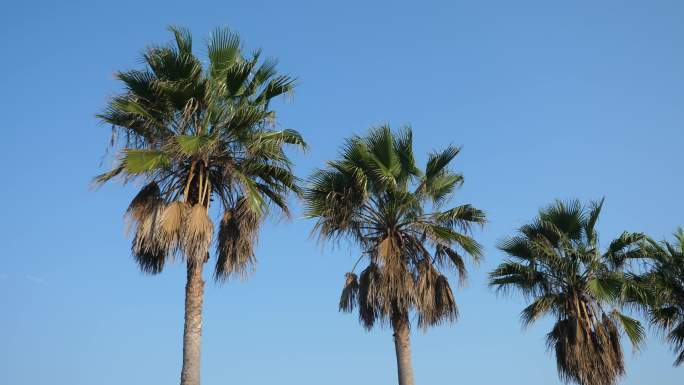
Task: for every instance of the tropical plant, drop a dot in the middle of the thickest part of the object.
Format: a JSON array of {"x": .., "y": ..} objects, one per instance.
[
  {"x": 377, "y": 197},
  {"x": 195, "y": 136},
  {"x": 664, "y": 284},
  {"x": 556, "y": 263}
]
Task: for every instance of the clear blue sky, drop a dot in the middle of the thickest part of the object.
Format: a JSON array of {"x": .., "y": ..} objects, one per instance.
[{"x": 548, "y": 98}]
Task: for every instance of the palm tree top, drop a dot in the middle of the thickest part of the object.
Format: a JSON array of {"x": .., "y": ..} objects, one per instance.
[
  {"x": 557, "y": 264},
  {"x": 663, "y": 282},
  {"x": 375, "y": 194},
  {"x": 195, "y": 134}
]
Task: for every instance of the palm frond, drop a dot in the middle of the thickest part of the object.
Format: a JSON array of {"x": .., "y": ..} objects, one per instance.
[
  {"x": 439, "y": 161},
  {"x": 633, "y": 329},
  {"x": 462, "y": 217},
  {"x": 618, "y": 251},
  {"x": 223, "y": 50},
  {"x": 592, "y": 218},
  {"x": 148, "y": 248},
  {"x": 350, "y": 293},
  {"x": 196, "y": 235},
  {"x": 183, "y": 39},
  {"x": 144, "y": 161},
  {"x": 237, "y": 238},
  {"x": 543, "y": 305}
]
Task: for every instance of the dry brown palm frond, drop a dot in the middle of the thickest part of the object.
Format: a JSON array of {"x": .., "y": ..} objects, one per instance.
[
  {"x": 237, "y": 238},
  {"x": 196, "y": 234},
  {"x": 445, "y": 304},
  {"x": 434, "y": 299},
  {"x": 425, "y": 293},
  {"x": 149, "y": 250},
  {"x": 142, "y": 204},
  {"x": 386, "y": 248},
  {"x": 397, "y": 281},
  {"x": 144, "y": 213},
  {"x": 171, "y": 224},
  {"x": 398, "y": 287},
  {"x": 370, "y": 295},
  {"x": 150, "y": 261},
  {"x": 350, "y": 293},
  {"x": 447, "y": 256},
  {"x": 587, "y": 355}
]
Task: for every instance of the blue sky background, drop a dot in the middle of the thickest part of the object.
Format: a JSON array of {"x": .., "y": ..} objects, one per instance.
[{"x": 549, "y": 99}]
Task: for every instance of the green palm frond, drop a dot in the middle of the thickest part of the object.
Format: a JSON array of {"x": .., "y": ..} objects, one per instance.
[
  {"x": 277, "y": 86},
  {"x": 224, "y": 50},
  {"x": 183, "y": 39},
  {"x": 287, "y": 136},
  {"x": 193, "y": 145},
  {"x": 403, "y": 147},
  {"x": 439, "y": 161},
  {"x": 569, "y": 217},
  {"x": 632, "y": 328},
  {"x": 462, "y": 217},
  {"x": 626, "y": 246},
  {"x": 140, "y": 84},
  {"x": 606, "y": 287},
  {"x": 109, "y": 175},
  {"x": 592, "y": 218},
  {"x": 438, "y": 182},
  {"x": 262, "y": 74},
  {"x": 137, "y": 161},
  {"x": 545, "y": 304}
]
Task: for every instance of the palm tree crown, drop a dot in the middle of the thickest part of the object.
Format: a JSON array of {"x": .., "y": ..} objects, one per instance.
[
  {"x": 375, "y": 195},
  {"x": 556, "y": 263},
  {"x": 196, "y": 135},
  {"x": 664, "y": 283}
]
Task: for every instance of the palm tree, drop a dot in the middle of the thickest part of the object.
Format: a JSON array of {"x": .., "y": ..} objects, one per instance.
[
  {"x": 197, "y": 136},
  {"x": 556, "y": 263},
  {"x": 664, "y": 284},
  {"x": 376, "y": 196}
]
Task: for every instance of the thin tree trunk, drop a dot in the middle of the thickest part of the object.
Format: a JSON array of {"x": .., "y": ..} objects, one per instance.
[
  {"x": 403, "y": 349},
  {"x": 192, "y": 332}
]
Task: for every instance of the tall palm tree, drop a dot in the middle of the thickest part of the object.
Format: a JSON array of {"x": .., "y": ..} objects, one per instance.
[
  {"x": 556, "y": 263},
  {"x": 195, "y": 136},
  {"x": 664, "y": 284},
  {"x": 377, "y": 197}
]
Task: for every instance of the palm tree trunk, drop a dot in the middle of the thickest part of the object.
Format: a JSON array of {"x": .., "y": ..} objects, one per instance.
[
  {"x": 192, "y": 332},
  {"x": 403, "y": 350}
]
